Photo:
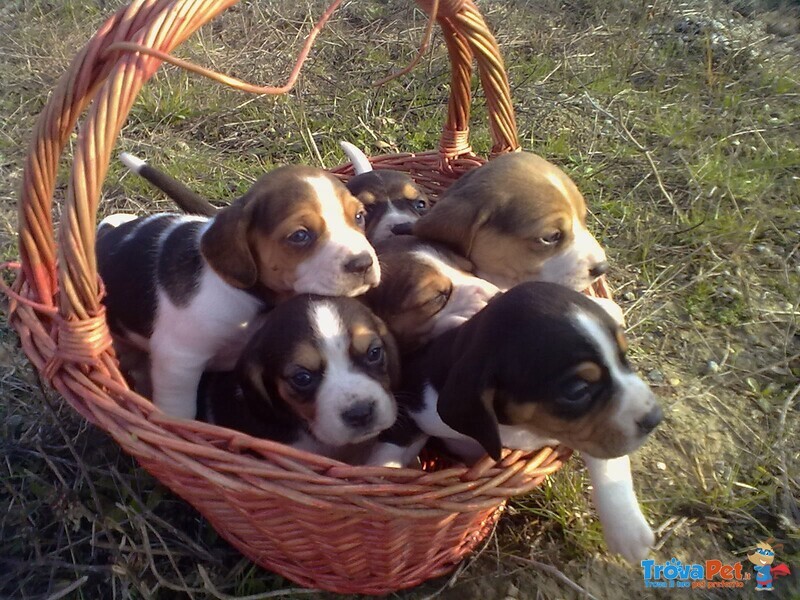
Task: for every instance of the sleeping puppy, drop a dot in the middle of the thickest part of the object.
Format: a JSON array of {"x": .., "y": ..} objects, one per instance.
[
  {"x": 540, "y": 365},
  {"x": 390, "y": 197},
  {"x": 517, "y": 218},
  {"x": 425, "y": 289},
  {"x": 317, "y": 375},
  {"x": 185, "y": 288}
]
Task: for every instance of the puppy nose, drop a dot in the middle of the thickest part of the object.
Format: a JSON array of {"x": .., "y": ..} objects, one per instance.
[
  {"x": 359, "y": 415},
  {"x": 359, "y": 264},
  {"x": 651, "y": 420},
  {"x": 599, "y": 269}
]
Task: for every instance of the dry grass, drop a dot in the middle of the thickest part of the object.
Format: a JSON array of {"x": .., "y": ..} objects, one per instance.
[{"x": 683, "y": 134}]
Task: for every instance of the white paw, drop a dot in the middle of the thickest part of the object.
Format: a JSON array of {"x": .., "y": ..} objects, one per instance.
[
  {"x": 632, "y": 538},
  {"x": 613, "y": 309}
]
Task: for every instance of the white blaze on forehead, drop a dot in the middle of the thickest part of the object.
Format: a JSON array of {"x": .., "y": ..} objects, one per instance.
[
  {"x": 328, "y": 325},
  {"x": 331, "y": 209},
  {"x": 558, "y": 183}
]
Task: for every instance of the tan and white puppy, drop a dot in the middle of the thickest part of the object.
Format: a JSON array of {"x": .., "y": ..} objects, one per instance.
[
  {"x": 425, "y": 289},
  {"x": 317, "y": 375},
  {"x": 540, "y": 365},
  {"x": 391, "y": 198},
  {"x": 517, "y": 218},
  {"x": 185, "y": 288}
]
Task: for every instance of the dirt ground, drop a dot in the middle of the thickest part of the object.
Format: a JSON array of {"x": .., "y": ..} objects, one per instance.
[{"x": 679, "y": 121}]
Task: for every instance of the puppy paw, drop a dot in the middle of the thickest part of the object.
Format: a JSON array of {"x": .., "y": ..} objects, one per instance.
[
  {"x": 632, "y": 539},
  {"x": 613, "y": 309}
]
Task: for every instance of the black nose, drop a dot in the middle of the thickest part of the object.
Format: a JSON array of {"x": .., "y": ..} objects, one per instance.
[
  {"x": 651, "y": 420},
  {"x": 359, "y": 415},
  {"x": 359, "y": 264},
  {"x": 599, "y": 269}
]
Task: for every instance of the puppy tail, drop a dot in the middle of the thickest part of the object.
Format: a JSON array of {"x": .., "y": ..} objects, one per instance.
[
  {"x": 186, "y": 199},
  {"x": 359, "y": 160}
]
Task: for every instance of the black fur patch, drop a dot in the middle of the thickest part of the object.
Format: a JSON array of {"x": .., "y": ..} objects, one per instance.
[
  {"x": 128, "y": 269},
  {"x": 180, "y": 263}
]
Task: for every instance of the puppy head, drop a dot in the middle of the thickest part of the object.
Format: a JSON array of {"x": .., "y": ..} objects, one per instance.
[
  {"x": 297, "y": 230},
  {"x": 518, "y": 218},
  {"x": 425, "y": 290},
  {"x": 391, "y": 198},
  {"x": 548, "y": 360},
  {"x": 330, "y": 361}
]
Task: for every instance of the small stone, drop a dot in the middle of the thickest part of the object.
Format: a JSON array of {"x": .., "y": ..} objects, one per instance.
[
  {"x": 712, "y": 366},
  {"x": 629, "y": 296},
  {"x": 655, "y": 376},
  {"x": 674, "y": 381},
  {"x": 661, "y": 466}
]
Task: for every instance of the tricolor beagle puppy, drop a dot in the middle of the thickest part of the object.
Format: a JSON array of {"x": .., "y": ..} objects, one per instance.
[
  {"x": 390, "y": 197},
  {"x": 185, "y": 288},
  {"x": 316, "y": 375},
  {"x": 540, "y": 365},
  {"x": 425, "y": 289},
  {"x": 517, "y": 218}
]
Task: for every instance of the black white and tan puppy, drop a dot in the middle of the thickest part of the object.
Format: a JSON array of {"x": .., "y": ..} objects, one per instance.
[
  {"x": 425, "y": 289},
  {"x": 517, "y": 218},
  {"x": 390, "y": 197},
  {"x": 541, "y": 364},
  {"x": 185, "y": 288},
  {"x": 316, "y": 375}
]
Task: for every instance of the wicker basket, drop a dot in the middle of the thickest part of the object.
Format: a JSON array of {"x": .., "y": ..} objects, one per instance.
[{"x": 318, "y": 522}]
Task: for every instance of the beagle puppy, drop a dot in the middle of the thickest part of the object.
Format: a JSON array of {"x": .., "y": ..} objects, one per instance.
[
  {"x": 184, "y": 288},
  {"x": 390, "y": 197},
  {"x": 425, "y": 289},
  {"x": 316, "y": 375},
  {"x": 517, "y": 218},
  {"x": 540, "y": 365}
]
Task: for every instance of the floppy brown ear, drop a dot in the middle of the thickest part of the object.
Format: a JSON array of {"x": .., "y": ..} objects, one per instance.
[
  {"x": 454, "y": 222},
  {"x": 251, "y": 379},
  {"x": 226, "y": 248},
  {"x": 465, "y": 404},
  {"x": 392, "y": 353}
]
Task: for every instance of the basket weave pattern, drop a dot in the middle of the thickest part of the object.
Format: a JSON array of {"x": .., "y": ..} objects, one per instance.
[{"x": 318, "y": 522}]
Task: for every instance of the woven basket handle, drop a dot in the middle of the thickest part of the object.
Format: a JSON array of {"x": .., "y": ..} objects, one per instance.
[
  {"x": 113, "y": 80},
  {"x": 467, "y": 35}
]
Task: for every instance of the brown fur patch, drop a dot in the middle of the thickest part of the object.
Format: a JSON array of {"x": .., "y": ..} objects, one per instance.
[
  {"x": 362, "y": 337},
  {"x": 307, "y": 356},
  {"x": 306, "y": 410},
  {"x": 410, "y": 192},
  {"x": 622, "y": 341},
  {"x": 589, "y": 371},
  {"x": 366, "y": 197}
]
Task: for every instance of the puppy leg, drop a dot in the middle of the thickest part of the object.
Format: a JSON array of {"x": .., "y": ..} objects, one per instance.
[
  {"x": 624, "y": 527},
  {"x": 395, "y": 456},
  {"x": 175, "y": 376}
]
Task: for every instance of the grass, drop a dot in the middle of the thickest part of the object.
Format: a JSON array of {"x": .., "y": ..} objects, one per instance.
[{"x": 687, "y": 149}]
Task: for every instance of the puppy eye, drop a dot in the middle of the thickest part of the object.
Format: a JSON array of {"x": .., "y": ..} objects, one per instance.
[
  {"x": 551, "y": 239},
  {"x": 420, "y": 205},
  {"x": 440, "y": 299},
  {"x": 361, "y": 217},
  {"x": 301, "y": 237},
  {"x": 375, "y": 355},
  {"x": 576, "y": 390},
  {"x": 302, "y": 380}
]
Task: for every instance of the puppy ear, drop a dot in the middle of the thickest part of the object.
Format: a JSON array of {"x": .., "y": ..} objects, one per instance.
[
  {"x": 403, "y": 229},
  {"x": 392, "y": 353},
  {"x": 225, "y": 245},
  {"x": 251, "y": 379},
  {"x": 465, "y": 404},
  {"x": 454, "y": 222}
]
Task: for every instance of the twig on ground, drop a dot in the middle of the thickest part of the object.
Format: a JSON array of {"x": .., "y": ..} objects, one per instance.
[
  {"x": 788, "y": 503},
  {"x": 69, "y": 589},
  {"x": 556, "y": 573}
]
